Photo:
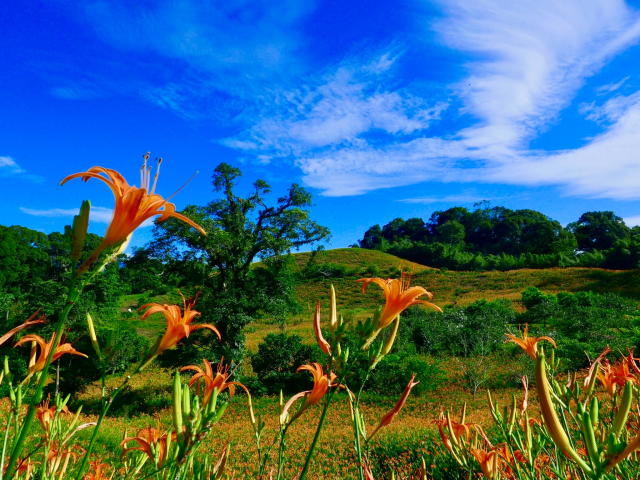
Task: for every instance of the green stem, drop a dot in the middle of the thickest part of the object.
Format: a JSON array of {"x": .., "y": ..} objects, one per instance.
[
  {"x": 72, "y": 297},
  {"x": 356, "y": 430},
  {"x": 307, "y": 462},
  {"x": 4, "y": 444},
  {"x": 283, "y": 444},
  {"x": 105, "y": 408},
  {"x": 356, "y": 426},
  {"x": 268, "y": 453}
]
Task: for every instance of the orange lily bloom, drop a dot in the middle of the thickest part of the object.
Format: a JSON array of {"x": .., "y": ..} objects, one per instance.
[
  {"x": 45, "y": 349},
  {"x": 390, "y": 415},
  {"x": 613, "y": 376},
  {"x": 178, "y": 323},
  {"x": 23, "y": 465},
  {"x": 55, "y": 457},
  {"x": 527, "y": 343},
  {"x": 399, "y": 296},
  {"x": 133, "y": 205},
  {"x": 322, "y": 343},
  {"x": 489, "y": 462},
  {"x": 98, "y": 473},
  {"x": 321, "y": 385},
  {"x": 147, "y": 437},
  {"x": 45, "y": 414},
  {"x": 28, "y": 323},
  {"x": 368, "y": 474},
  {"x": 211, "y": 382},
  {"x": 589, "y": 380},
  {"x": 607, "y": 378}
]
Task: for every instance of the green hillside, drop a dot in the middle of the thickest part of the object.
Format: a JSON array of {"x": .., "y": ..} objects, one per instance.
[{"x": 448, "y": 287}]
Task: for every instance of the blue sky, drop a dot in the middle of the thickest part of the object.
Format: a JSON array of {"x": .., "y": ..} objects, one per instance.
[{"x": 382, "y": 109}]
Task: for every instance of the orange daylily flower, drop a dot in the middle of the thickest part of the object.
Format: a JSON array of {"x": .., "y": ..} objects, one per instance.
[
  {"x": 321, "y": 385},
  {"x": 322, "y": 343},
  {"x": 45, "y": 414},
  {"x": 489, "y": 462},
  {"x": 28, "y": 323},
  {"x": 459, "y": 431},
  {"x": 211, "y": 382},
  {"x": 178, "y": 323},
  {"x": 589, "y": 380},
  {"x": 390, "y": 415},
  {"x": 98, "y": 473},
  {"x": 56, "y": 456},
  {"x": 23, "y": 465},
  {"x": 399, "y": 296},
  {"x": 147, "y": 437},
  {"x": 617, "y": 375},
  {"x": 45, "y": 349},
  {"x": 133, "y": 205},
  {"x": 368, "y": 474},
  {"x": 527, "y": 343}
]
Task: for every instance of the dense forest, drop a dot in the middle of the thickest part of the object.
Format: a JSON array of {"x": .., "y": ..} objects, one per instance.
[{"x": 498, "y": 238}]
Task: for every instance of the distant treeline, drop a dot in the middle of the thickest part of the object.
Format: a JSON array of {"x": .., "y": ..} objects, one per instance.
[{"x": 498, "y": 238}]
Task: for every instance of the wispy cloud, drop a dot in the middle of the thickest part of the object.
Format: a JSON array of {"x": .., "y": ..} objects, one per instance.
[
  {"x": 359, "y": 125},
  {"x": 457, "y": 199},
  {"x": 611, "y": 87},
  {"x": 530, "y": 59},
  {"x": 336, "y": 109},
  {"x": 9, "y": 167},
  {"x": 632, "y": 221},
  {"x": 245, "y": 32},
  {"x": 98, "y": 214}
]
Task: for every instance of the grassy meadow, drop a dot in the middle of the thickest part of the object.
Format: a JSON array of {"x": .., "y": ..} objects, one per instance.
[{"x": 412, "y": 434}]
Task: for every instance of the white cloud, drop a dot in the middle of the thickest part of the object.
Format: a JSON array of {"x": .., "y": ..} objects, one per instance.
[
  {"x": 221, "y": 37},
  {"x": 353, "y": 130},
  {"x": 608, "y": 166},
  {"x": 8, "y": 165},
  {"x": 335, "y": 110},
  {"x": 460, "y": 198},
  {"x": 98, "y": 214},
  {"x": 611, "y": 87},
  {"x": 632, "y": 221}
]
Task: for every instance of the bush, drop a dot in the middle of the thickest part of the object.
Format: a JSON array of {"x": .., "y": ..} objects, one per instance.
[
  {"x": 277, "y": 360},
  {"x": 392, "y": 374},
  {"x": 326, "y": 270},
  {"x": 128, "y": 347},
  {"x": 477, "y": 329},
  {"x": 583, "y": 322}
]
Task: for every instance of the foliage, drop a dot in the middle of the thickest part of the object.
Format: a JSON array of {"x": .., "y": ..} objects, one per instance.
[
  {"x": 391, "y": 374},
  {"x": 497, "y": 238},
  {"x": 583, "y": 323},
  {"x": 276, "y": 361},
  {"x": 477, "y": 329},
  {"x": 240, "y": 230}
]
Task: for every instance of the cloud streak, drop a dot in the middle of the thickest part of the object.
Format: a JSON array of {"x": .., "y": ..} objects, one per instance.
[
  {"x": 98, "y": 214},
  {"x": 353, "y": 130},
  {"x": 9, "y": 167}
]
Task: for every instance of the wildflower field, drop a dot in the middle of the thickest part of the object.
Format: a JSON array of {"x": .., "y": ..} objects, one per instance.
[{"x": 387, "y": 371}]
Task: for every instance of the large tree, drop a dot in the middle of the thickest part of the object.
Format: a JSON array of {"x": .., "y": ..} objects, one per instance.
[
  {"x": 240, "y": 230},
  {"x": 599, "y": 230}
]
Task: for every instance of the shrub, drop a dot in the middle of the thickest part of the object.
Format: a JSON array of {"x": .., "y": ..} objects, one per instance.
[
  {"x": 127, "y": 348},
  {"x": 277, "y": 360},
  {"x": 326, "y": 270},
  {"x": 392, "y": 374}
]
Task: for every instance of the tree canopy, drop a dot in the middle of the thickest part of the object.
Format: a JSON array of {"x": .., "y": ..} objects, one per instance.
[
  {"x": 498, "y": 237},
  {"x": 240, "y": 230}
]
